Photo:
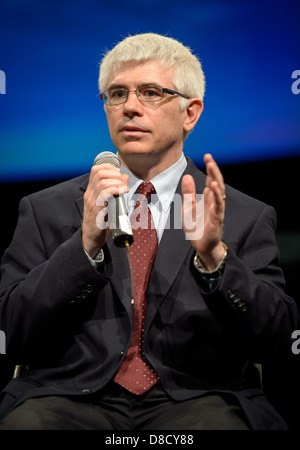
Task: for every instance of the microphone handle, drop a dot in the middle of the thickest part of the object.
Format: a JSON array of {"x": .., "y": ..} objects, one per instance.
[{"x": 119, "y": 223}]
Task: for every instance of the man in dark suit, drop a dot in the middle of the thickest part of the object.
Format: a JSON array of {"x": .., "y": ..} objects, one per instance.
[{"x": 215, "y": 298}]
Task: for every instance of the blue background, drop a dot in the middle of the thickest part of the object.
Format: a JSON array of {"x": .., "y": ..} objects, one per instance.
[{"x": 52, "y": 123}]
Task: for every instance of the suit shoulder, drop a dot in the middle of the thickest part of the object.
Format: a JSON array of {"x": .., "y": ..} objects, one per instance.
[
  {"x": 233, "y": 195},
  {"x": 243, "y": 199},
  {"x": 69, "y": 189}
]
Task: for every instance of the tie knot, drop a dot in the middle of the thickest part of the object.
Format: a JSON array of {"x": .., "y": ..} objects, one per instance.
[{"x": 146, "y": 188}]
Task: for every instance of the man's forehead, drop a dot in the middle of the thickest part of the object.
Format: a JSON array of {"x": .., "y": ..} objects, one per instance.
[{"x": 140, "y": 73}]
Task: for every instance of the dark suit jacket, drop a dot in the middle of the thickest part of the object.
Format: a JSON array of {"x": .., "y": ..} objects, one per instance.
[{"x": 72, "y": 324}]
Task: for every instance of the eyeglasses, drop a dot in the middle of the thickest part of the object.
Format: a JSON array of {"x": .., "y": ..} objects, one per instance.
[{"x": 146, "y": 93}]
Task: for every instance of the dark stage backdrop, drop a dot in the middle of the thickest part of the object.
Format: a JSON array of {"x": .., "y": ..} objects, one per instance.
[{"x": 52, "y": 122}]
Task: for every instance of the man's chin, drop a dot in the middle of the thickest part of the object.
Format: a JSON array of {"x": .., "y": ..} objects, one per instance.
[{"x": 133, "y": 149}]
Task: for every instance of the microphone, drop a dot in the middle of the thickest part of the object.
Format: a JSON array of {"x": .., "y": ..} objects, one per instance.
[{"x": 118, "y": 220}]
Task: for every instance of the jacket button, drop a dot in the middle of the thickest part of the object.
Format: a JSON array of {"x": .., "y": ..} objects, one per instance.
[
  {"x": 89, "y": 288},
  {"x": 230, "y": 294},
  {"x": 242, "y": 306},
  {"x": 86, "y": 391}
]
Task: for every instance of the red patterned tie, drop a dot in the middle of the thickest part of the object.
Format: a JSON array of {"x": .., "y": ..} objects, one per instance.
[{"x": 135, "y": 373}]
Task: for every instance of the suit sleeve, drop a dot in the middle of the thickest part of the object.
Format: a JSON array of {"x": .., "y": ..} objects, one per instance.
[
  {"x": 38, "y": 291},
  {"x": 250, "y": 297}
]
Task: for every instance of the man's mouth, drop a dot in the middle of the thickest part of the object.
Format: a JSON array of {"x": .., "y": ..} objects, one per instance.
[{"x": 133, "y": 129}]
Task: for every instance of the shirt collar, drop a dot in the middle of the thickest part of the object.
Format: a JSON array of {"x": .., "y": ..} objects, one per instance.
[{"x": 165, "y": 183}]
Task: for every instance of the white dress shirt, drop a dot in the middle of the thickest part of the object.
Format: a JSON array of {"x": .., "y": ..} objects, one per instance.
[{"x": 165, "y": 185}]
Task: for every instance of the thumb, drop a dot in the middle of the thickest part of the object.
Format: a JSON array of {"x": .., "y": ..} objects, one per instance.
[
  {"x": 188, "y": 186},
  {"x": 188, "y": 189}
]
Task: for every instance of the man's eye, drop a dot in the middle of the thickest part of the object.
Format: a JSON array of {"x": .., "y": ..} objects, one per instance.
[
  {"x": 117, "y": 93},
  {"x": 151, "y": 92}
]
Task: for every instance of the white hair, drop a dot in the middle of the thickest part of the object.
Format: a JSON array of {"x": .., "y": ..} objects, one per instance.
[{"x": 188, "y": 78}]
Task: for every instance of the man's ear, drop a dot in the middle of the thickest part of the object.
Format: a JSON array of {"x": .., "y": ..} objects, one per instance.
[{"x": 194, "y": 111}]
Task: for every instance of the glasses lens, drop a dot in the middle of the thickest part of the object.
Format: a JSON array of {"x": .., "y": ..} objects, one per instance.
[
  {"x": 116, "y": 96},
  {"x": 150, "y": 93},
  {"x": 147, "y": 93}
]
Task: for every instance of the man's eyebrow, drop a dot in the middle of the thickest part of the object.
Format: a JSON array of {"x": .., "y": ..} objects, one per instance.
[
  {"x": 117, "y": 86},
  {"x": 149, "y": 84},
  {"x": 123, "y": 86}
]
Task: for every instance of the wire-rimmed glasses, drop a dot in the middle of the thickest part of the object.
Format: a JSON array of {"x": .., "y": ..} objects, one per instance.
[{"x": 145, "y": 93}]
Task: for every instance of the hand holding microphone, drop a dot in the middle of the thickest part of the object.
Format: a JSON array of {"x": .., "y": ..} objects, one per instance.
[{"x": 106, "y": 183}]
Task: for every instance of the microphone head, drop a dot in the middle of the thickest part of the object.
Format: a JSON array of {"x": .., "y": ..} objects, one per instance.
[{"x": 107, "y": 158}]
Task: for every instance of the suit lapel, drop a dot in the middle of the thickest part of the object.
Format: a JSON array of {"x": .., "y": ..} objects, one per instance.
[
  {"x": 120, "y": 279},
  {"x": 172, "y": 252}
]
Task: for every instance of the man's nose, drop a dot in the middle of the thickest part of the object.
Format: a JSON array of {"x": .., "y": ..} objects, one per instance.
[{"x": 132, "y": 104}]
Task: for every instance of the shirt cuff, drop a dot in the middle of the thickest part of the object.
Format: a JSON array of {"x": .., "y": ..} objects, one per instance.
[{"x": 99, "y": 258}]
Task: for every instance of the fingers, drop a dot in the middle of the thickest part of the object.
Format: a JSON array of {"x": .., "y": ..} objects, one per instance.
[
  {"x": 217, "y": 202},
  {"x": 107, "y": 179},
  {"x": 214, "y": 174}
]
